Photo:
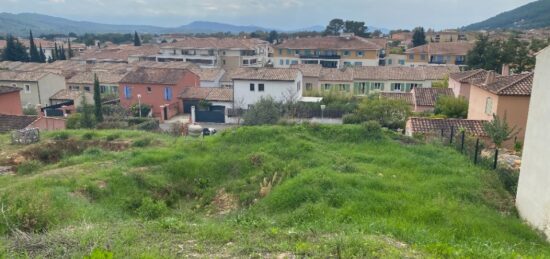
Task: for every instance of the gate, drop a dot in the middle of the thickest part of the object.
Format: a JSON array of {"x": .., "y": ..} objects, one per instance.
[
  {"x": 187, "y": 105},
  {"x": 216, "y": 114}
]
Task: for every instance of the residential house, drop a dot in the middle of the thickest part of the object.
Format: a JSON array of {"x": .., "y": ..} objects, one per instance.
[
  {"x": 396, "y": 60},
  {"x": 446, "y": 36},
  {"x": 216, "y": 52},
  {"x": 420, "y": 99},
  {"x": 211, "y": 103},
  {"x": 119, "y": 54},
  {"x": 157, "y": 87},
  {"x": 449, "y": 53},
  {"x": 37, "y": 87},
  {"x": 503, "y": 96},
  {"x": 10, "y": 100},
  {"x": 533, "y": 197},
  {"x": 17, "y": 122},
  {"x": 311, "y": 74},
  {"x": 71, "y": 99},
  {"x": 330, "y": 51},
  {"x": 281, "y": 84},
  {"x": 108, "y": 82},
  {"x": 436, "y": 127},
  {"x": 461, "y": 82}
]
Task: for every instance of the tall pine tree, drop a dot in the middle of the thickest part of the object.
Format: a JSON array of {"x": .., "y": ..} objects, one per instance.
[
  {"x": 14, "y": 50},
  {"x": 33, "y": 51},
  {"x": 70, "y": 51},
  {"x": 97, "y": 100},
  {"x": 137, "y": 40},
  {"x": 42, "y": 54}
]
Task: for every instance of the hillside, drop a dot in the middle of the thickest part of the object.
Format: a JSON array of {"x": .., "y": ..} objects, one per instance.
[
  {"x": 529, "y": 16},
  {"x": 310, "y": 191}
]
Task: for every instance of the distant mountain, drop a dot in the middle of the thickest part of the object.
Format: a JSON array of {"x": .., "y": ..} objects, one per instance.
[
  {"x": 530, "y": 16},
  {"x": 213, "y": 27}
]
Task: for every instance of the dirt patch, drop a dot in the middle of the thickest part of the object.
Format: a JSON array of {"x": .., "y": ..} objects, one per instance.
[{"x": 225, "y": 202}]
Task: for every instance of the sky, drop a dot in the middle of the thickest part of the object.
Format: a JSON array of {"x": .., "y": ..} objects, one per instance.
[{"x": 275, "y": 14}]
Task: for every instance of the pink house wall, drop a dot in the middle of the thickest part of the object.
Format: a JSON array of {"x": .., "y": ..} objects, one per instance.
[
  {"x": 10, "y": 104},
  {"x": 155, "y": 98},
  {"x": 48, "y": 123},
  {"x": 460, "y": 89}
]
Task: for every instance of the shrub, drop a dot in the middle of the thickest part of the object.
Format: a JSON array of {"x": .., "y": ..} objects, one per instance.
[
  {"x": 373, "y": 130},
  {"x": 150, "y": 209},
  {"x": 99, "y": 253},
  {"x": 509, "y": 179},
  {"x": 145, "y": 110},
  {"x": 61, "y": 135},
  {"x": 88, "y": 136},
  {"x": 149, "y": 125},
  {"x": 142, "y": 142},
  {"x": 112, "y": 137},
  {"x": 30, "y": 111},
  {"x": 73, "y": 121},
  {"x": 518, "y": 146},
  {"x": 352, "y": 118},
  {"x": 28, "y": 167},
  {"x": 112, "y": 125},
  {"x": 452, "y": 107},
  {"x": 388, "y": 113},
  {"x": 265, "y": 111}
]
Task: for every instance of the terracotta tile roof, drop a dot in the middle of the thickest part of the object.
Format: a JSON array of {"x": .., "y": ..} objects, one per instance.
[
  {"x": 209, "y": 94},
  {"x": 215, "y": 43},
  {"x": 439, "y": 72},
  {"x": 428, "y": 96},
  {"x": 268, "y": 74},
  {"x": 22, "y": 76},
  {"x": 8, "y": 89},
  {"x": 469, "y": 76},
  {"x": 103, "y": 77},
  {"x": 407, "y": 97},
  {"x": 165, "y": 76},
  {"x": 66, "y": 94},
  {"x": 309, "y": 70},
  {"x": 329, "y": 42},
  {"x": 208, "y": 74},
  {"x": 231, "y": 73},
  {"x": 434, "y": 126},
  {"x": 154, "y": 64},
  {"x": 118, "y": 53},
  {"x": 442, "y": 48},
  {"x": 15, "y": 122},
  {"x": 336, "y": 75},
  {"x": 514, "y": 85}
]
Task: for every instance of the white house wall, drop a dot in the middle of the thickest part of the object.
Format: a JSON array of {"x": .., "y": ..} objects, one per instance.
[{"x": 278, "y": 90}]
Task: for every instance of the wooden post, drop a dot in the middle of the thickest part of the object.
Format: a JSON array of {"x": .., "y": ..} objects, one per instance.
[
  {"x": 476, "y": 152},
  {"x": 496, "y": 159},
  {"x": 463, "y": 139}
]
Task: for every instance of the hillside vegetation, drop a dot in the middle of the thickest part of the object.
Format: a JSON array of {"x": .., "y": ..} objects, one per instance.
[
  {"x": 530, "y": 16},
  {"x": 315, "y": 191}
]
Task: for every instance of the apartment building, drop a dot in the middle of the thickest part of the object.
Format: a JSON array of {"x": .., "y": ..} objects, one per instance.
[
  {"x": 330, "y": 52},
  {"x": 216, "y": 52},
  {"x": 37, "y": 87},
  {"x": 443, "y": 53},
  {"x": 446, "y": 36}
]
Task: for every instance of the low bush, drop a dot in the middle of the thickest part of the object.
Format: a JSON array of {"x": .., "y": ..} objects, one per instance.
[
  {"x": 29, "y": 167},
  {"x": 142, "y": 142},
  {"x": 88, "y": 136},
  {"x": 373, "y": 130},
  {"x": 149, "y": 125},
  {"x": 63, "y": 135},
  {"x": 352, "y": 118},
  {"x": 112, "y": 137},
  {"x": 150, "y": 209}
]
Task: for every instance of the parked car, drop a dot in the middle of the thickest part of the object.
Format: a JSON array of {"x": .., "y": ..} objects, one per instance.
[{"x": 208, "y": 131}]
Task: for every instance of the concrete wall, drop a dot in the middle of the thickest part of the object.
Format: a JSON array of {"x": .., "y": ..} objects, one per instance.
[
  {"x": 10, "y": 104},
  {"x": 278, "y": 90},
  {"x": 48, "y": 123},
  {"x": 533, "y": 197}
]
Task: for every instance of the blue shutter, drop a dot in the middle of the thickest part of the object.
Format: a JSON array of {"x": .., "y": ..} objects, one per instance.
[
  {"x": 168, "y": 93},
  {"x": 127, "y": 92}
]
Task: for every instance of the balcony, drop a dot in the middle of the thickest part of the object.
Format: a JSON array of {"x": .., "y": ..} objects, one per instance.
[
  {"x": 304, "y": 56},
  {"x": 460, "y": 62}
]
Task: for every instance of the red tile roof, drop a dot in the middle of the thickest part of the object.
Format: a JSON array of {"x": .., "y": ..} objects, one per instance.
[
  {"x": 164, "y": 76},
  {"x": 330, "y": 42},
  {"x": 15, "y": 122},
  {"x": 435, "y": 126},
  {"x": 407, "y": 97},
  {"x": 209, "y": 94},
  {"x": 8, "y": 89},
  {"x": 514, "y": 85},
  {"x": 442, "y": 48},
  {"x": 268, "y": 74},
  {"x": 428, "y": 96}
]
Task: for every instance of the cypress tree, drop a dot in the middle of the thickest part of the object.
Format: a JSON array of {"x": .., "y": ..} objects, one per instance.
[
  {"x": 137, "y": 40},
  {"x": 33, "y": 51},
  {"x": 55, "y": 52},
  {"x": 42, "y": 54},
  {"x": 62, "y": 53},
  {"x": 97, "y": 100},
  {"x": 15, "y": 50},
  {"x": 70, "y": 52}
]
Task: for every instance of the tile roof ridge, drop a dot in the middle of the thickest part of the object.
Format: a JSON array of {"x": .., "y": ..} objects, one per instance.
[{"x": 525, "y": 76}]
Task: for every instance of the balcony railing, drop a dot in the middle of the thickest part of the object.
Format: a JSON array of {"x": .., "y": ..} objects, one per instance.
[{"x": 320, "y": 56}]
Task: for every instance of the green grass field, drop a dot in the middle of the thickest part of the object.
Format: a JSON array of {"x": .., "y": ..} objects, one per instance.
[{"x": 314, "y": 191}]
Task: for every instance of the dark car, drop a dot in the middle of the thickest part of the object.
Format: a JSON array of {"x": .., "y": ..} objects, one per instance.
[{"x": 208, "y": 131}]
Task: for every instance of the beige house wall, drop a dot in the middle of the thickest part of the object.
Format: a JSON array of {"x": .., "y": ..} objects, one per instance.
[
  {"x": 478, "y": 103},
  {"x": 516, "y": 109},
  {"x": 533, "y": 197},
  {"x": 50, "y": 85},
  {"x": 460, "y": 89}
]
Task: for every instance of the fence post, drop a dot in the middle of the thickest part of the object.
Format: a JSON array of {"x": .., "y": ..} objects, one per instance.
[
  {"x": 462, "y": 145},
  {"x": 442, "y": 134},
  {"x": 476, "y": 152},
  {"x": 452, "y": 134},
  {"x": 496, "y": 159}
]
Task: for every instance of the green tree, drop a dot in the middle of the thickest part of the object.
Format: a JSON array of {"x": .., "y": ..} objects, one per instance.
[
  {"x": 334, "y": 27},
  {"x": 14, "y": 50},
  {"x": 419, "y": 36},
  {"x": 273, "y": 37},
  {"x": 451, "y": 107},
  {"x": 70, "y": 51},
  {"x": 499, "y": 131},
  {"x": 485, "y": 54},
  {"x": 42, "y": 54},
  {"x": 33, "y": 50},
  {"x": 265, "y": 111},
  {"x": 62, "y": 53},
  {"x": 55, "y": 53},
  {"x": 389, "y": 113},
  {"x": 137, "y": 40},
  {"x": 98, "y": 111},
  {"x": 87, "y": 114},
  {"x": 356, "y": 27}
]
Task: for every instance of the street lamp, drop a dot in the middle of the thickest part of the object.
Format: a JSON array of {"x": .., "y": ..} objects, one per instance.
[
  {"x": 139, "y": 104},
  {"x": 323, "y": 107}
]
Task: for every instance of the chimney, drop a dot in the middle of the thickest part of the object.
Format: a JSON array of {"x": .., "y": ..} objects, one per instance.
[
  {"x": 491, "y": 76},
  {"x": 506, "y": 69}
]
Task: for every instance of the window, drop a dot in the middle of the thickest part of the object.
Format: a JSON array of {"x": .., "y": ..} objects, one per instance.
[
  {"x": 297, "y": 52},
  {"x": 27, "y": 88},
  {"x": 102, "y": 89},
  {"x": 127, "y": 92},
  {"x": 378, "y": 86},
  {"x": 168, "y": 93},
  {"x": 87, "y": 88},
  {"x": 309, "y": 86},
  {"x": 401, "y": 62},
  {"x": 74, "y": 88},
  {"x": 294, "y": 62},
  {"x": 397, "y": 87},
  {"x": 261, "y": 87},
  {"x": 358, "y": 64},
  {"x": 245, "y": 62},
  {"x": 360, "y": 53},
  {"x": 347, "y": 64},
  {"x": 390, "y": 61},
  {"x": 299, "y": 86},
  {"x": 327, "y": 87},
  {"x": 343, "y": 87},
  {"x": 308, "y": 52},
  {"x": 252, "y": 86},
  {"x": 289, "y": 52},
  {"x": 423, "y": 57},
  {"x": 287, "y": 62},
  {"x": 489, "y": 106},
  {"x": 346, "y": 52},
  {"x": 281, "y": 62},
  {"x": 411, "y": 57},
  {"x": 280, "y": 52},
  {"x": 149, "y": 89}
]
